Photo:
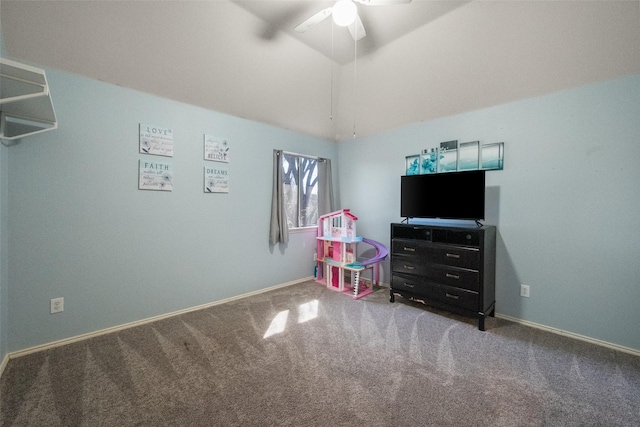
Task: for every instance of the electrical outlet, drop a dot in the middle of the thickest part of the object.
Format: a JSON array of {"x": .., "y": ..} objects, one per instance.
[
  {"x": 57, "y": 305},
  {"x": 524, "y": 291}
]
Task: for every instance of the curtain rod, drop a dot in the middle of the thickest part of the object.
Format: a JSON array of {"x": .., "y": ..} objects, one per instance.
[{"x": 320, "y": 159}]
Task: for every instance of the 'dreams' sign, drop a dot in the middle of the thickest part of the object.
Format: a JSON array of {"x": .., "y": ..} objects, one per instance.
[{"x": 216, "y": 180}]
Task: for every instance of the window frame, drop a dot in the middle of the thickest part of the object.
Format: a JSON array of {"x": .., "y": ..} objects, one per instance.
[{"x": 299, "y": 181}]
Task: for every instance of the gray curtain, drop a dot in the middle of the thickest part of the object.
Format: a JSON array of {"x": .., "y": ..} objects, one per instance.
[
  {"x": 325, "y": 187},
  {"x": 278, "y": 231}
]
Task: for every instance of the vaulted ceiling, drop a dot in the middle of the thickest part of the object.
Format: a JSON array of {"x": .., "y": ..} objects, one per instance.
[
  {"x": 419, "y": 61},
  {"x": 383, "y": 23}
]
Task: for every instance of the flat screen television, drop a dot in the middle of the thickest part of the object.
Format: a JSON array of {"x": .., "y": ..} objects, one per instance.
[{"x": 449, "y": 195}]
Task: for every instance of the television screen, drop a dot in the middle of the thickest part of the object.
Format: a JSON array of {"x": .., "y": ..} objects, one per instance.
[{"x": 452, "y": 195}]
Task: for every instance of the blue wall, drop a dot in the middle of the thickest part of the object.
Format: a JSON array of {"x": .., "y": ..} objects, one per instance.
[
  {"x": 81, "y": 229},
  {"x": 566, "y": 204},
  {"x": 3, "y": 241}
]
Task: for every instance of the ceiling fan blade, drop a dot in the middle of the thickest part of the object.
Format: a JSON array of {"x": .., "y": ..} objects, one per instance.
[
  {"x": 357, "y": 29},
  {"x": 314, "y": 20},
  {"x": 381, "y": 2}
]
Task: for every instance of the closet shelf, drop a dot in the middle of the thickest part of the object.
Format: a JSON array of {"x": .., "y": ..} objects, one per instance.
[{"x": 25, "y": 103}]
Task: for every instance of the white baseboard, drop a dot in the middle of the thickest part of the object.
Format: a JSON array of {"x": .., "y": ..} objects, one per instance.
[
  {"x": 82, "y": 337},
  {"x": 571, "y": 335},
  {"x": 3, "y": 365}
]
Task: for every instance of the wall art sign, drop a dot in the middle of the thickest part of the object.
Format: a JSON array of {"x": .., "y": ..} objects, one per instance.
[
  {"x": 468, "y": 155},
  {"x": 413, "y": 164},
  {"x": 448, "y": 161},
  {"x": 156, "y": 140},
  {"x": 154, "y": 175},
  {"x": 452, "y": 156},
  {"x": 216, "y": 149},
  {"x": 429, "y": 161},
  {"x": 493, "y": 156},
  {"x": 216, "y": 180}
]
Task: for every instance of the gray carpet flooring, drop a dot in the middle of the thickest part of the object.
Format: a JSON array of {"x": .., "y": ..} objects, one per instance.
[{"x": 307, "y": 356}]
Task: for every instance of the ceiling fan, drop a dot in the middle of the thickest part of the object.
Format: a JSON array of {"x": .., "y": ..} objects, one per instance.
[{"x": 345, "y": 14}]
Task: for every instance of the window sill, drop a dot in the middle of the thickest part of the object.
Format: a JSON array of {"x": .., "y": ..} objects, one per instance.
[{"x": 313, "y": 229}]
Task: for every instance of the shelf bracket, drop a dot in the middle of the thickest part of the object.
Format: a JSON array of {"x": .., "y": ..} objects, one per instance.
[{"x": 25, "y": 102}]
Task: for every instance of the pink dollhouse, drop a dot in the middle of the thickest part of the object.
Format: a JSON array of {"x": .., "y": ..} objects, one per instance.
[{"x": 336, "y": 255}]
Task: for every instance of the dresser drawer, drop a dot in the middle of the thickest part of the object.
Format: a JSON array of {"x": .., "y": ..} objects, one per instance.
[
  {"x": 456, "y": 237},
  {"x": 456, "y": 256},
  {"x": 457, "y": 277},
  {"x": 456, "y": 297},
  {"x": 414, "y": 232},
  {"x": 408, "y": 283},
  {"x": 453, "y": 296}
]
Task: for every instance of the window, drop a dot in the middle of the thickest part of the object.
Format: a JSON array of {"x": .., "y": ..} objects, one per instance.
[
  {"x": 300, "y": 181},
  {"x": 301, "y": 191}
]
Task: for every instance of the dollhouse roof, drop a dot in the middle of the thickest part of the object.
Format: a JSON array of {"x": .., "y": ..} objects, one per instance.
[{"x": 345, "y": 212}]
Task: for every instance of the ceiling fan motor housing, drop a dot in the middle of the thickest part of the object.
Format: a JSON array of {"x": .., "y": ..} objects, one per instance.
[{"x": 344, "y": 13}]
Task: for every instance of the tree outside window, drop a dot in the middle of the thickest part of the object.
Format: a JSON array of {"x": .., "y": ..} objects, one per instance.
[{"x": 300, "y": 179}]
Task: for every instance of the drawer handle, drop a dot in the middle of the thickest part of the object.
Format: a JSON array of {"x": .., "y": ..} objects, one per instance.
[
  {"x": 452, "y": 296},
  {"x": 409, "y": 267},
  {"x": 452, "y": 276},
  {"x": 409, "y": 249},
  {"x": 408, "y": 285},
  {"x": 456, "y": 256}
]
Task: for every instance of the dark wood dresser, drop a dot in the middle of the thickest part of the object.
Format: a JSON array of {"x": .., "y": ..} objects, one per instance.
[{"x": 451, "y": 268}]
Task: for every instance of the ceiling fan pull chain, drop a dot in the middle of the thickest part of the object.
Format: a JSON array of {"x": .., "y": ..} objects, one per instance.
[
  {"x": 331, "y": 69},
  {"x": 355, "y": 80}
]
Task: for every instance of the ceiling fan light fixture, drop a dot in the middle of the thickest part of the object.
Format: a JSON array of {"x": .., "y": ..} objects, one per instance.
[{"x": 344, "y": 13}]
